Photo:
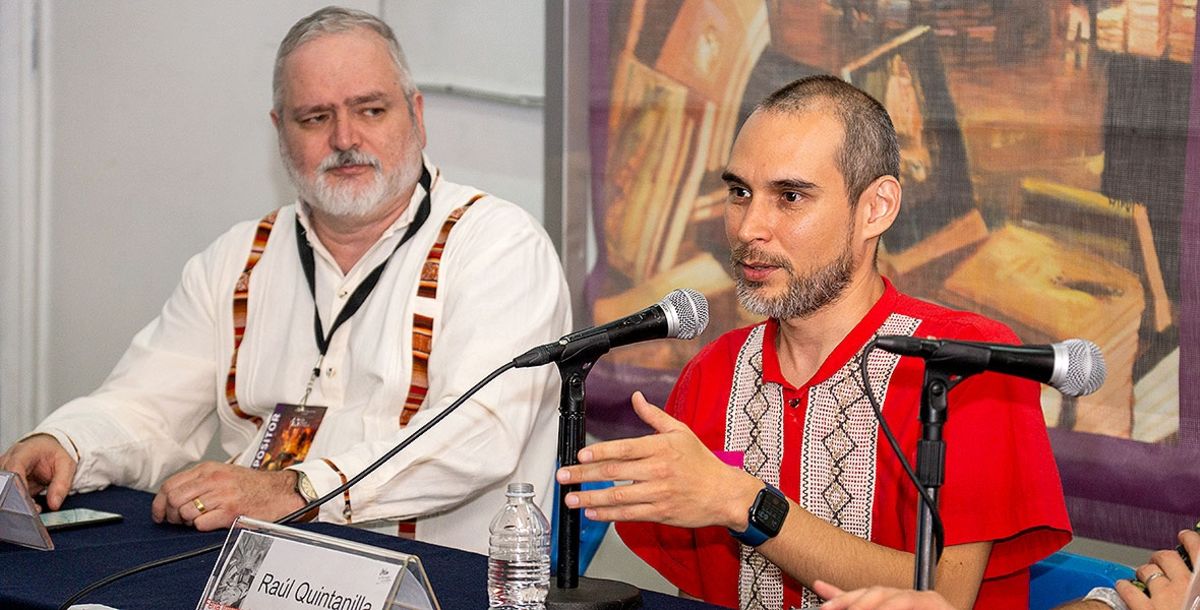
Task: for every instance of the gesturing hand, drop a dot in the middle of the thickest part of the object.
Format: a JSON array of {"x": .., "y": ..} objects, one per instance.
[{"x": 676, "y": 480}]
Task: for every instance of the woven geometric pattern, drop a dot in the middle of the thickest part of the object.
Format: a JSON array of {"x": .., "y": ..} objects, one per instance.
[
  {"x": 837, "y": 460},
  {"x": 837, "y": 456},
  {"x": 754, "y": 427}
]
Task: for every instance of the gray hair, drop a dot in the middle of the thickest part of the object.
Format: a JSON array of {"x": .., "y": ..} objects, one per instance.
[
  {"x": 869, "y": 148},
  {"x": 334, "y": 20}
]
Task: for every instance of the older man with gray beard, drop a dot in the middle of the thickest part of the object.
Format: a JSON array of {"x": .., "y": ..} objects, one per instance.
[{"x": 315, "y": 339}]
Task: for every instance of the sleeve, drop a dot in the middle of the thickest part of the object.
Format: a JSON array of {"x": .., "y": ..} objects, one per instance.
[
  {"x": 155, "y": 412},
  {"x": 505, "y": 293},
  {"x": 1002, "y": 483}
]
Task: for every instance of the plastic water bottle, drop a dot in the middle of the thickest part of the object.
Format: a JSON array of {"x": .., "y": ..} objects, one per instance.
[{"x": 519, "y": 553}]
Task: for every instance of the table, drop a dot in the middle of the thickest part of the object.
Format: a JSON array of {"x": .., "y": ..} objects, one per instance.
[{"x": 41, "y": 579}]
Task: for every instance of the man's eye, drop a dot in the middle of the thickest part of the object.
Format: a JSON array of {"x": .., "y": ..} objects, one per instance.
[
  {"x": 737, "y": 192},
  {"x": 792, "y": 196},
  {"x": 373, "y": 112},
  {"x": 314, "y": 119}
]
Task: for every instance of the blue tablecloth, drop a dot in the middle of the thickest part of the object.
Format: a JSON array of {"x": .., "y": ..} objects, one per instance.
[{"x": 44, "y": 579}]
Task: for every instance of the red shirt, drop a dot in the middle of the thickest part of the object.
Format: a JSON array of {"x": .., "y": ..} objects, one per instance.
[{"x": 1001, "y": 482}]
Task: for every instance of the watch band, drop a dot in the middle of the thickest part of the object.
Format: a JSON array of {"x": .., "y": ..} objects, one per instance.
[{"x": 766, "y": 516}]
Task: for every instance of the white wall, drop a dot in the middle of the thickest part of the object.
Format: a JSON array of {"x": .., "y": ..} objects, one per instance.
[
  {"x": 159, "y": 140},
  {"x": 489, "y": 134}
]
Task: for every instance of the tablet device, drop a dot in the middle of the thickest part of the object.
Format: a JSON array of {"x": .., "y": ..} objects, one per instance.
[{"x": 77, "y": 517}]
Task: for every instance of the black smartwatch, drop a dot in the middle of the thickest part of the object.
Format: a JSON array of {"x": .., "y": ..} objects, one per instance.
[{"x": 767, "y": 513}]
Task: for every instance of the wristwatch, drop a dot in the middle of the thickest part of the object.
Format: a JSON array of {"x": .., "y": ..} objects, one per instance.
[
  {"x": 767, "y": 513},
  {"x": 305, "y": 488}
]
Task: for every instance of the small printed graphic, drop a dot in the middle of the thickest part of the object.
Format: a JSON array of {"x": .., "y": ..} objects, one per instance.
[
  {"x": 240, "y": 570},
  {"x": 385, "y": 576},
  {"x": 289, "y": 434}
]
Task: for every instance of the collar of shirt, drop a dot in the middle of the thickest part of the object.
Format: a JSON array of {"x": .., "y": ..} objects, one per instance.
[{"x": 846, "y": 349}]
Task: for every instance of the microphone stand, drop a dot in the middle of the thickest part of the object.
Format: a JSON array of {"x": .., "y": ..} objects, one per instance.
[
  {"x": 570, "y": 591},
  {"x": 943, "y": 370}
]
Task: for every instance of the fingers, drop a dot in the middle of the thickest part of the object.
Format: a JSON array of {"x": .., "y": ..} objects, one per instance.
[
  {"x": 1164, "y": 568},
  {"x": 63, "y": 474},
  {"x": 651, "y": 414},
  {"x": 825, "y": 590},
  {"x": 1133, "y": 597},
  {"x": 610, "y": 461},
  {"x": 1169, "y": 563},
  {"x": 601, "y": 502},
  {"x": 183, "y": 495},
  {"x": 849, "y": 599},
  {"x": 879, "y": 598},
  {"x": 1191, "y": 543},
  {"x": 213, "y": 519}
]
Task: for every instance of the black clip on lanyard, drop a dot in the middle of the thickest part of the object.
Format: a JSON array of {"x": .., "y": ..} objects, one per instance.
[{"x": 361, "y": 293}]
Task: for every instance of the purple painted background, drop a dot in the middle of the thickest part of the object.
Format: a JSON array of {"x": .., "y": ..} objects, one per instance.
[{"x": 1119, "y": 490}]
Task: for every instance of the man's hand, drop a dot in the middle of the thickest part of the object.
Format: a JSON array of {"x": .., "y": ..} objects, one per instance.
[
  {"x": 676, "y": 479},
  {"x": 44, "y": 465},
  {"x": 879, "y": 598},
  {"x": 1165, "y": 576},
  {"x": 211, "y": 495}
]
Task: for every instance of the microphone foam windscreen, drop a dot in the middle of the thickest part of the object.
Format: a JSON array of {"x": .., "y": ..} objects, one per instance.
[
  {"x": 1086, "y": 370},
  {"x": 692, "y": 310}
]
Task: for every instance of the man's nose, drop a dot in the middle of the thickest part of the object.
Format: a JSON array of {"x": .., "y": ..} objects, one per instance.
[
  {"x": 345, "y": 134},
  {"x": 754, "y": 223}
]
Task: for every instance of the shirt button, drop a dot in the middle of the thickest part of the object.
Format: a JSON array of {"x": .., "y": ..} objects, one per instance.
[
  {"x": 342, "y": 294},
  {"x": 793, "y": 403},
  {"x": 332, "y": 372}
]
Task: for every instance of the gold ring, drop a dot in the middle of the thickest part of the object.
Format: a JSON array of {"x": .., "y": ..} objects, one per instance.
[
  {"x": 1150, "y": 578},
  {"x": 201, "y": 507}
]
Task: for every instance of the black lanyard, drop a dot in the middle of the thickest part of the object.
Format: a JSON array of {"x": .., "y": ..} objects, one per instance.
[{"x": 364, "y": 289}]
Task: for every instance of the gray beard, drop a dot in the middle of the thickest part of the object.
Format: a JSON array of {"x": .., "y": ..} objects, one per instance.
[
  {"x": 347, "y": 201},
  {"x": 805, "y": 295}
]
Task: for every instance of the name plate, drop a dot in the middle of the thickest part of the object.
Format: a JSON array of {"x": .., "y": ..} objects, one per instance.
[
  {"x": 19, "y": 523},
  {"x": 264, "y": 565}
]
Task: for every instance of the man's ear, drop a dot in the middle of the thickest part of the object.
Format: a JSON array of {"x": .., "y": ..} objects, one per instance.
[
  {"x": 275, "y": 119},
  {"x": 878, "y": 206}
]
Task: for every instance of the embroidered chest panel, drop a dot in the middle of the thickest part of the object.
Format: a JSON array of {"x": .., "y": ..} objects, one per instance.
[{"x": 837, "y": 454}]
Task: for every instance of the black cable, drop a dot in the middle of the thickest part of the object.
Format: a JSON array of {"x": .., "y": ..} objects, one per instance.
[
  {"x": 938, "y": 532},
  {"x": 307, "y": 507}
]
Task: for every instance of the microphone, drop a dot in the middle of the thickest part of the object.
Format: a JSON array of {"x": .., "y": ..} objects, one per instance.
[
  {"x": 1074, "y": 367},
  {"x": 682, "y": 314}
]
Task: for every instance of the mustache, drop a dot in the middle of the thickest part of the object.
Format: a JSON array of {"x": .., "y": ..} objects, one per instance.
[
  {"x": 348, "y": 157},
  {"x": 742, "y": 253}
]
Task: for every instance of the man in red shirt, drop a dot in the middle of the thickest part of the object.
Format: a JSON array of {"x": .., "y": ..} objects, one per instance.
[{"x": 768, "y": 471}]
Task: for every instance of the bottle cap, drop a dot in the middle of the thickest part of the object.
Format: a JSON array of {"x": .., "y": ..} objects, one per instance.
[{"x": 520, "y": 490}]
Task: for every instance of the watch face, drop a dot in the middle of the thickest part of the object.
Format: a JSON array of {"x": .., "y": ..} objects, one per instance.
[
  {"x": 770, "y": 509},
  {"x": 305, "y": 487}
]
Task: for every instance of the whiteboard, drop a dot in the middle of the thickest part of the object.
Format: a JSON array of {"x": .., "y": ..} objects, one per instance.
[{"x": 478, "y": 44}]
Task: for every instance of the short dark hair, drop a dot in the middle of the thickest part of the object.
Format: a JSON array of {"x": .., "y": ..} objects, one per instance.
[{"x": 869, "y": 148}]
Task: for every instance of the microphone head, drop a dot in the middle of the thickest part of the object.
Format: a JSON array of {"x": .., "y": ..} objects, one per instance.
[
  {"x": 1084, "y": 370},
  {"x": 687, "y": 313}
]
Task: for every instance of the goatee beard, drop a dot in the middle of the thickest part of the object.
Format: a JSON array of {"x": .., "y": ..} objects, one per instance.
[
  {"x": 804, "y": 295},
  {"x": 344, "y": 200}
]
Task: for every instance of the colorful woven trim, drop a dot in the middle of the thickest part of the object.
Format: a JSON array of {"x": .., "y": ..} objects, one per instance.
[
  {"x": 422, "y": 337},
  {"x": 241, "y": 298},
  {"x": 347, "y": 510}
]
